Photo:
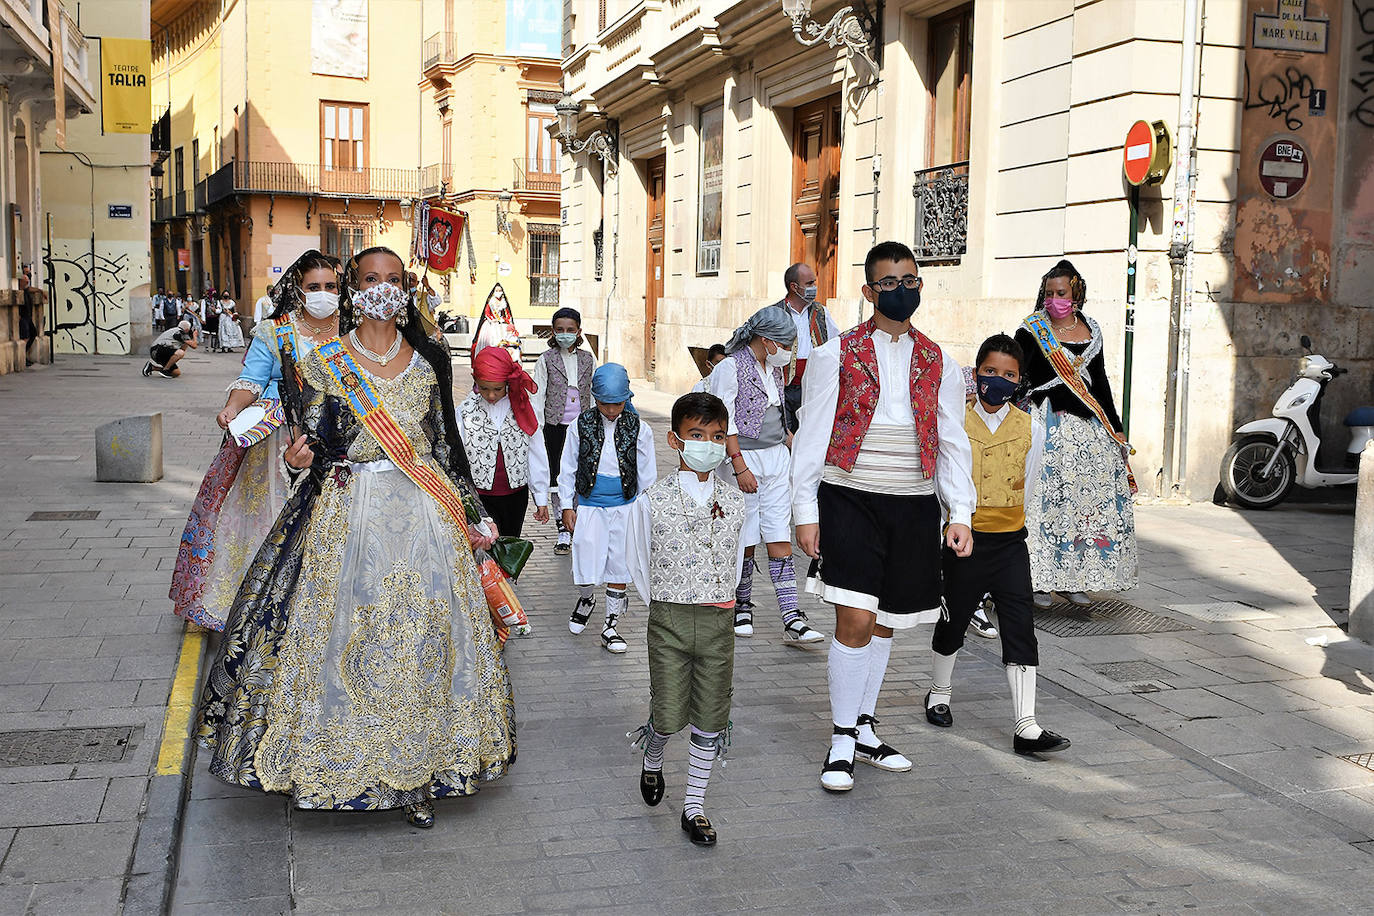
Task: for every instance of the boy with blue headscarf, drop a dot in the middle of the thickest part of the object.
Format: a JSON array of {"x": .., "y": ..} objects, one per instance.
[{"x": 608, "y": 460}]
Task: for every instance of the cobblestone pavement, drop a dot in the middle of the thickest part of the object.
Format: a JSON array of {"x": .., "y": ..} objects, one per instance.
[{"x": 1212, "y": 781}]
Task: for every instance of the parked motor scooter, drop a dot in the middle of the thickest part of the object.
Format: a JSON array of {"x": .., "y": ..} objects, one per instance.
[{"x": 1269, "y": 456}]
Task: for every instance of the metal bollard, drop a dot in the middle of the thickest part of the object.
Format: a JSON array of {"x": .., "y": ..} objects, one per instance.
[{"x": 1362, "y": 561}]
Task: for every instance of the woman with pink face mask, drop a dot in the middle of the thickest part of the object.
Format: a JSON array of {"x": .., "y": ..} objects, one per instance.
[{"x": 1079, "y": 520}]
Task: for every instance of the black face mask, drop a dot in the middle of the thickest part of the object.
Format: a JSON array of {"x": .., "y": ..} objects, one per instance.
[{"x": 898, "y": 304}]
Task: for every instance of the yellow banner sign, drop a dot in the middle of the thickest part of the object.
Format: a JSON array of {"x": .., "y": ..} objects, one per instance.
[{"x": 126, "y": 93}]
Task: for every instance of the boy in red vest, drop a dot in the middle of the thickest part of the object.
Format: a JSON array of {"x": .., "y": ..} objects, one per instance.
[{"x": 880, "y": 448}]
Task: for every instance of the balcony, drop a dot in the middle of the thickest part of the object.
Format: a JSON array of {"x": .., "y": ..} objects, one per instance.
[
  {"x": 435, "y": 180},
  {"x": 309, "y": 180},
  {"x": 200, "y": 195},
  {"x": 184, "y": 203},
  {"x": 438, "y": 50},
  {"x": 537, "y": 175},
  {"x": 941, "y": 213},
  {"x": 162, "y": 209}
]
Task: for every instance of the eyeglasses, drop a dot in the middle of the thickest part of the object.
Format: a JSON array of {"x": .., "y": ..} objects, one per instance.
[{"x": 888, "y": 284}]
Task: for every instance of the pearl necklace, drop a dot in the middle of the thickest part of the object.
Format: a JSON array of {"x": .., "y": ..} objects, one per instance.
[{"x": 380, "y": 359}]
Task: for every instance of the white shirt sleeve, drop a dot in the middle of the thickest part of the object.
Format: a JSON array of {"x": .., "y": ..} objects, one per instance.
[
  {"x": 567, "y": 470},
  {"x": 830, "y": 323},
  {"x": 648, "y": 467},
  {"x": 820, "y": 397},
  {"x": 724, "y": 384},
  {"x": 954, "y": 463},
  {"x": 1033, "y": 458},
  {"x": 541, "y": 381},
  {"x": 638, "y": 529},
  {"x": 538, "y": 457}
]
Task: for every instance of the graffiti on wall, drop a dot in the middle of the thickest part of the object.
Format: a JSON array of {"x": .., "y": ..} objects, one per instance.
[
  {"x": 1362, "y": 68},
  {"x": 91, "y": 298},
  {"x": 1281, "y": 95}
]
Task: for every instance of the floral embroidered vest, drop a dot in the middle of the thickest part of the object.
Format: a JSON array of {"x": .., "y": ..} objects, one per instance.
[
  {"x": 484, "y": 440},
  {"x": 591, "y": 434},
  {"x": 752, "y": 401},
  {"x": 693, "y": 550},
  {"x": 858, "y": 397},
  {"x": 999, "y": 469},
  {"x": 556, "y": 388}
]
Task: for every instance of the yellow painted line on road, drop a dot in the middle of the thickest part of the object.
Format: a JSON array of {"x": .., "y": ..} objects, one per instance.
[{"x": 171, "y": 757}]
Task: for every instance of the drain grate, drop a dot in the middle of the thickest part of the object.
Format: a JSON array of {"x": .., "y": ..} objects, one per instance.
[
  {"x": 1360, "y": 760},
  {"x": 1221, "y": 611},
  {"x": 65, "y": 745},
  {"x": 1130, "y": 672},
  {"x": 1102, "y": 618},
  {"x": 67, "y": 515}
]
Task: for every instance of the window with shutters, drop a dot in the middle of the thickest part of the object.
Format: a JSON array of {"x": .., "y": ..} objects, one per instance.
[
  {"x": 343, "y": 137},
  {"x": 343, "y": 237}
]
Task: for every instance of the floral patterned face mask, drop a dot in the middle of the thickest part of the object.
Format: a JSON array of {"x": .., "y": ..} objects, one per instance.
[{"x": 382, "y": 302}]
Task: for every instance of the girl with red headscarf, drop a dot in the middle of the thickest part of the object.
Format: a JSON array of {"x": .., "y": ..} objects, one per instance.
[{"x": 499, "y": 430}]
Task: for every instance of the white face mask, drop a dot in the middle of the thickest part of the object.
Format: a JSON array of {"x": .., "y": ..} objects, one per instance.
[
  {"x": 702, "y": 457},
  {"x": 321, "y": 303},
  {"x": 779, "y": 358}
]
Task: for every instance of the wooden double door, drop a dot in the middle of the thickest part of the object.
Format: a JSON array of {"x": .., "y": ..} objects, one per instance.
[
  {"x": 655, "y": 179},
  {"x": 816, "y": 129}
]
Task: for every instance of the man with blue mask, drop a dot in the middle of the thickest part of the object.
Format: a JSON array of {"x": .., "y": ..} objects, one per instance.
[
  {"x": 879, "y": 461},
  {"x": 814, "y": 327},
  {"x": 563, "y": 389}
]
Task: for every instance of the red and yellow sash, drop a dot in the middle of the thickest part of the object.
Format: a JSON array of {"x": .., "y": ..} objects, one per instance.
[{"x": 1068, "y": 374}]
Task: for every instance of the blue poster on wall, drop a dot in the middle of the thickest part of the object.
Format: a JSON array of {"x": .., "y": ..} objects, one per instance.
[{"x": 534, "y": 28}]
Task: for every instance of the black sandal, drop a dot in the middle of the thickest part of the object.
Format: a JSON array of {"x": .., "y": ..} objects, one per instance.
[
  {"x": 577, "y": 620},
  {"x": 845, "y": 767}
]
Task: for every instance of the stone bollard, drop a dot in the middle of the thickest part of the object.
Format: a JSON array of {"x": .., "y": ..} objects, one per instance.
[
  {"x": 1362, "y": 562},
  {"x": 129, "y": 450}
]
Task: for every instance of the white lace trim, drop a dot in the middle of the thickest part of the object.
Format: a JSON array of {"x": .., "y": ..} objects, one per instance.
[{"x": 243, "y": 384}]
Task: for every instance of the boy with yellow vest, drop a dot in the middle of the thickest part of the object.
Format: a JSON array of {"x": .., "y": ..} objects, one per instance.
[{"x": 1006, "y": 454}]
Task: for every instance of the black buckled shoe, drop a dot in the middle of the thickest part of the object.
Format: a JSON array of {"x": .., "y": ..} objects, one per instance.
[
  {"x": 939, "y": 714},
  {"x": 651, "y": 786},
  {"x": 421, "y": 814},
  {"x": 838, "y": 775},
  {"x": 1047, "y": 743},
  {"x": 699, "y": 829}
]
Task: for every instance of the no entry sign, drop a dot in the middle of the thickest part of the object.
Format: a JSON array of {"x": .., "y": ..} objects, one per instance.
[
  {"x": 1283, "y": 168},
  {"x": 1147, "y": 152}
]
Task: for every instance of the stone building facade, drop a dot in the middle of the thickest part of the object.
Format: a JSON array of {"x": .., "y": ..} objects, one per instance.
[{"x": 991, "y": 141}]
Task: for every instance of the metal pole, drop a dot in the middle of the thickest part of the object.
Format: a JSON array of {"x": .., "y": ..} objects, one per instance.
[
  {"x": 1132, "y": 256},
  {"x": 1180, "y": 240},
  {"x": 1185, "y": 360},
  {"x": 52, "y": 297}
]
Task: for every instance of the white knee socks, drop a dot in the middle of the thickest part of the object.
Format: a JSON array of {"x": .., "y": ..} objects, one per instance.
[
  {"x": 848, "y": 677},
  {"x": 942, "y": 680},
  {"x": 879, "y": 651},
  {"x": 1021, "y": 678}
]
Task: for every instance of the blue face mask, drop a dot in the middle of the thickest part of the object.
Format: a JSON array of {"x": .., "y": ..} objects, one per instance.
[
  {"x": 566, "y": 340},
  {"x": 996, "y": 390}
]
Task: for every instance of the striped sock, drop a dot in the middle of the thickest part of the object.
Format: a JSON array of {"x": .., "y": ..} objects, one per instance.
[
  {"x": 744, "y": 592},
  {"x": 783, "y": 572},
  {"x": 653, "y": 750},
  {"x": 701, "y": 754}
]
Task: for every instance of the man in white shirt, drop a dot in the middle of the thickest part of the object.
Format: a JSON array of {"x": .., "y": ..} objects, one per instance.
[
  {"x": 814, "y": 327},
  {"x": 263, "y": 307},
  {"x": 881, "y": 448}
]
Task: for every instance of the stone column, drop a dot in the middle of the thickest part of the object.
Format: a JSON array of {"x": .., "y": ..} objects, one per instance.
[{"x": 1362, "y": 563}]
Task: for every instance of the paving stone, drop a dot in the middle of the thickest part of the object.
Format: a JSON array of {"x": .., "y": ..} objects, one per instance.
[
  {"x": 34, "y": 804},
  {"x": 42, "y": 855}
]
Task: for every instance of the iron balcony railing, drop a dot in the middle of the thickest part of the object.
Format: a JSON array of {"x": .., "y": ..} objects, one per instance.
[
  {"x": 434, "y": 180},
  {"x": 185, "y": 204},
  {"x": 162, "y": 209},
  {"x": 439, "y": 48},
  {"x": 251, "y": 177},
  {"x": 537, "y": 175},
  {"x": 200, "y": 195},
  {"x": 941, "y": 212}
]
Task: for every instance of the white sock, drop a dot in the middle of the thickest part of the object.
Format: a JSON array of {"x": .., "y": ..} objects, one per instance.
[
  {"x": 586, "y": 593},
  {"x": 942, "y": 681},
  {"x": 848, "y": 674},
  {"x": 654, "y": 742},
  {"x": 879, "y": 651},
  {"x": 701, "y": 754},
  {"x": 616, "y": 604},
  {"x": 1022, "y": 681}
]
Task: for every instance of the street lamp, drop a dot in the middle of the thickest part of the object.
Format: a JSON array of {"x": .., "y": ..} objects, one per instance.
[
  {"x": 600, "y": 142},
  {"x": 855, "y": 31},
  {"x": 157, "y": 174},
  {"x": 406, "y": 204},
  {"x": 503, "y": 213}
]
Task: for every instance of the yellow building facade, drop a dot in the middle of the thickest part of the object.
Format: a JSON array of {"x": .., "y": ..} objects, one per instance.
[
  {"x": 491, "y": 77},
  {"x": 290, "y": 126},
  {"x": 96, "y": 209}
]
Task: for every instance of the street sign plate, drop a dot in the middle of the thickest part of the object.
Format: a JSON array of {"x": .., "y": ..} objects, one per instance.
[
  {"x": 1147, "y": 153},
  {"x": 1283, "y": 168},
  {"x": 121, "y": 211}
]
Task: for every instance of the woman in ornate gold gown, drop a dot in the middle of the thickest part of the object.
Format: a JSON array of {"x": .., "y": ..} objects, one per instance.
[{"x": 360, "y": 668}]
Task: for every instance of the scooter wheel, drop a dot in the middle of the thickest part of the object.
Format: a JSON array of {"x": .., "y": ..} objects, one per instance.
[{"x": 1243, "y": 478}]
